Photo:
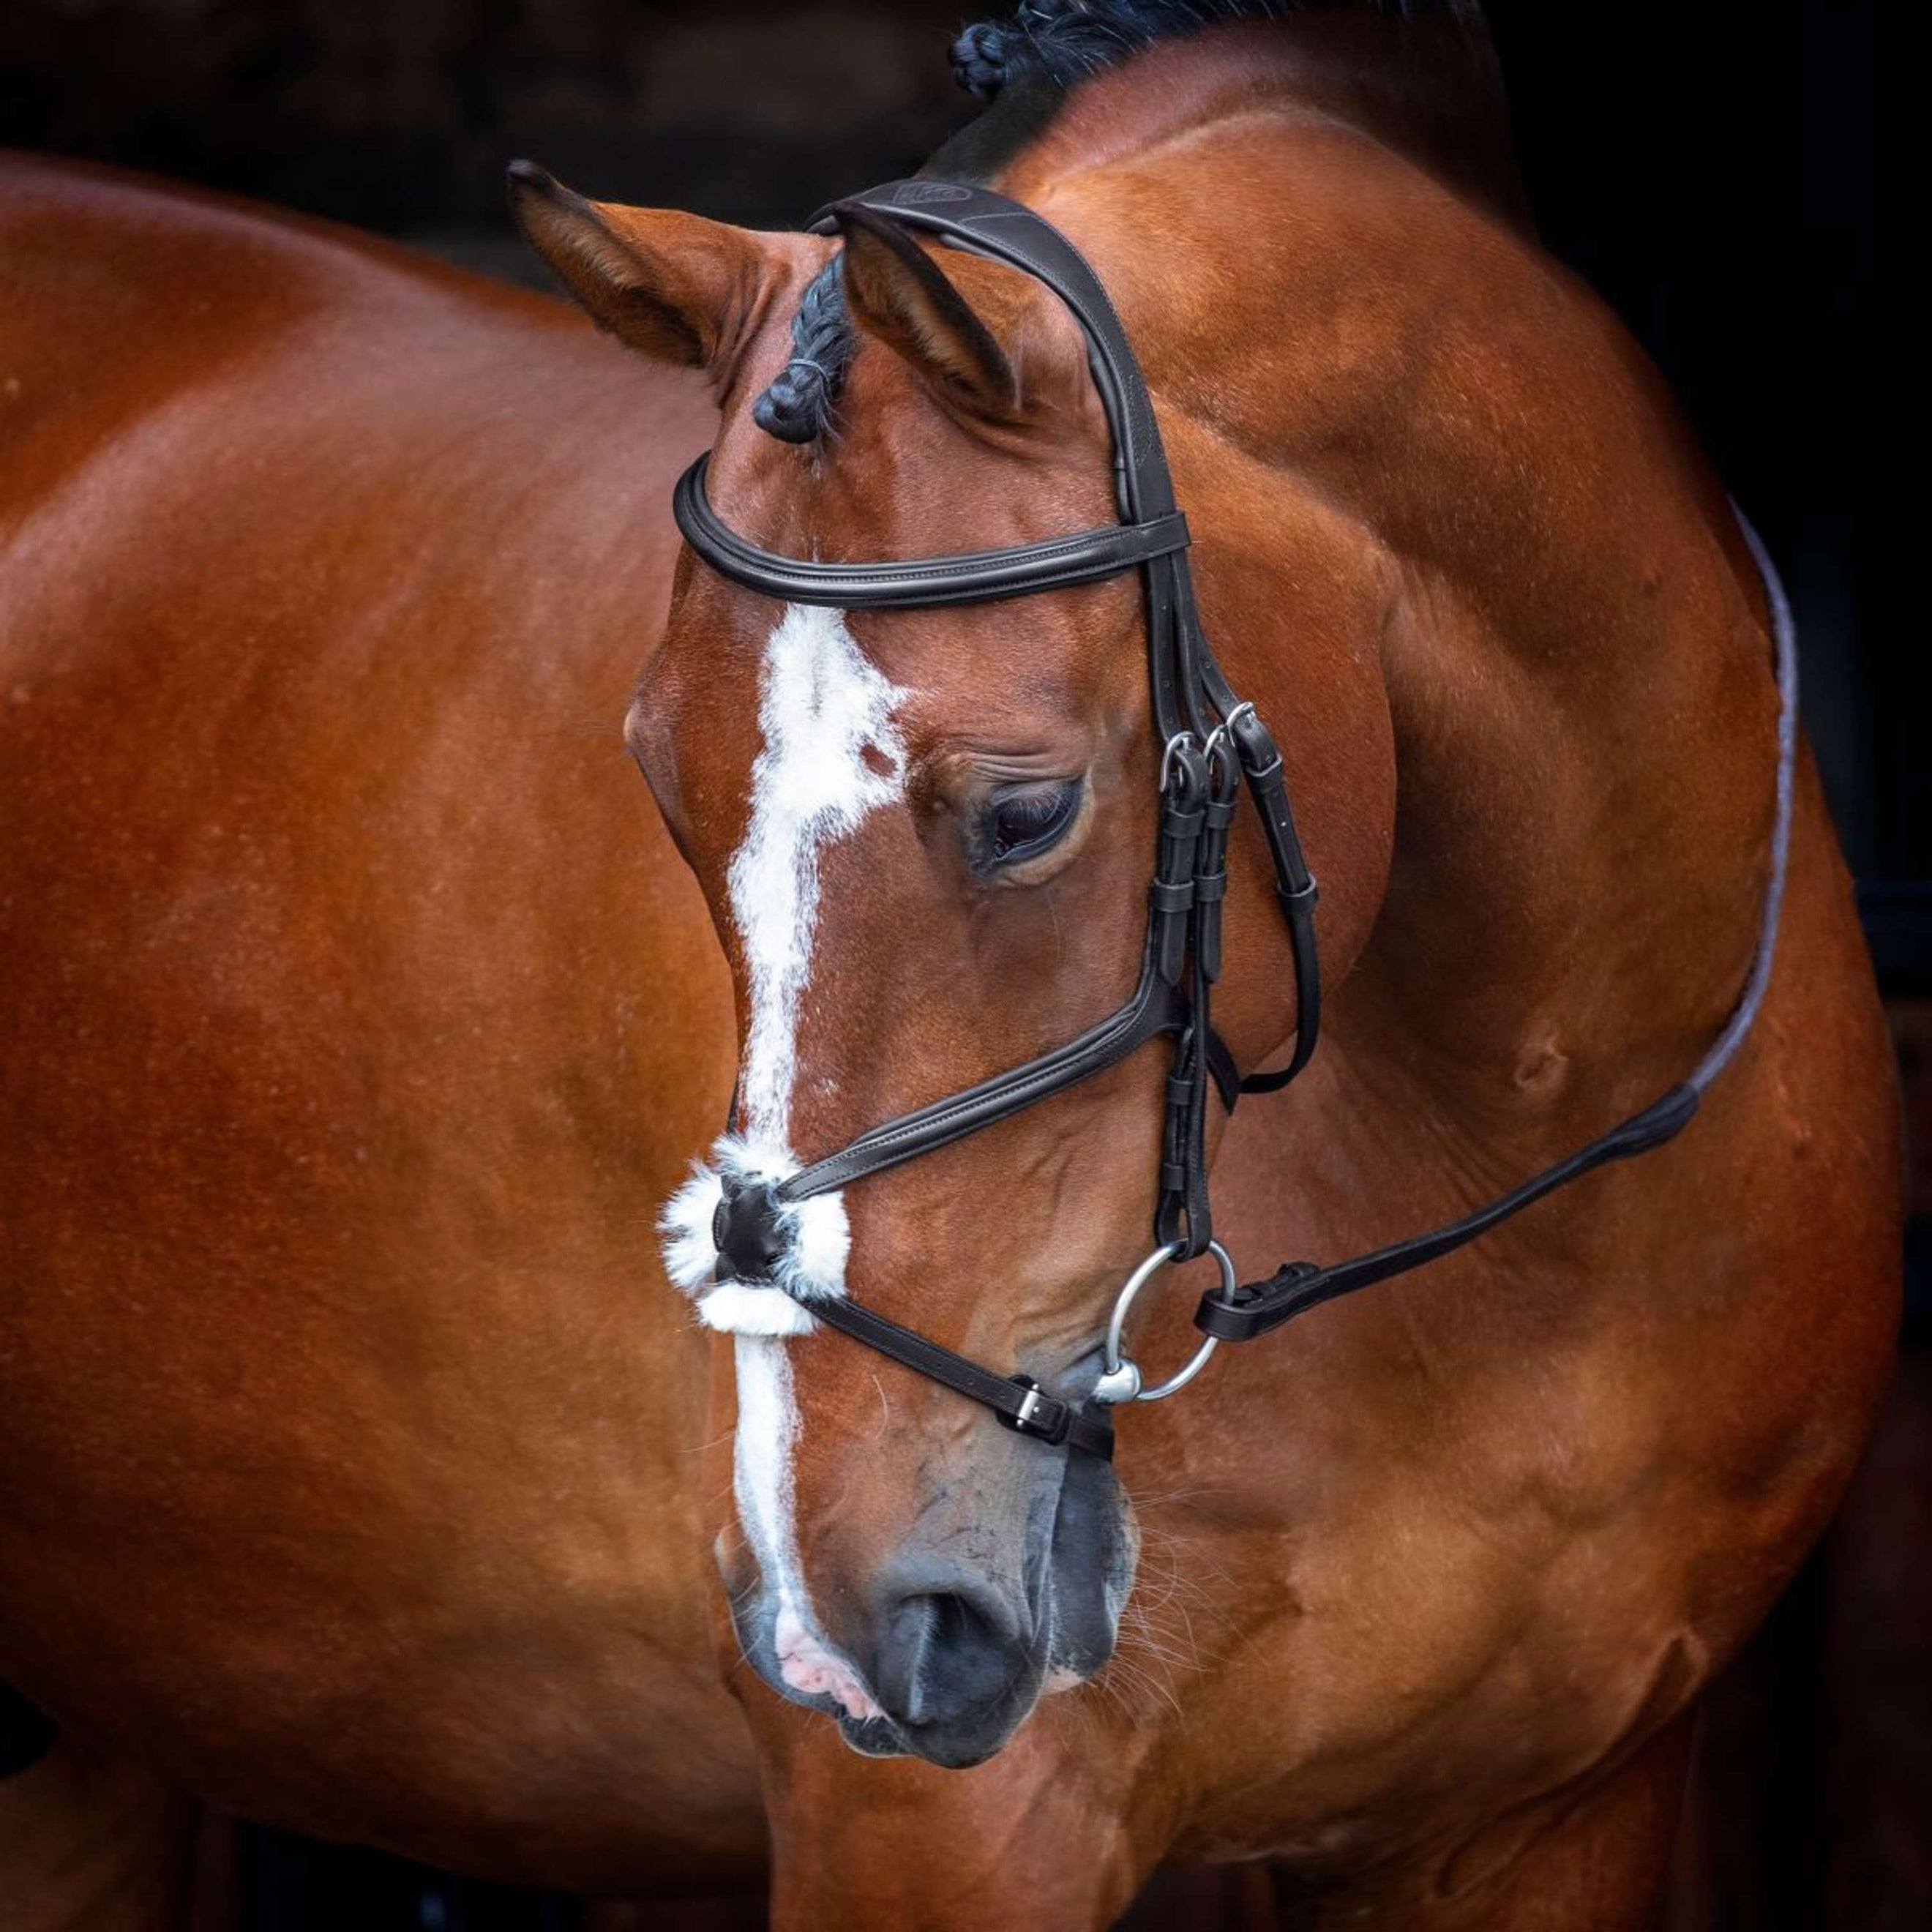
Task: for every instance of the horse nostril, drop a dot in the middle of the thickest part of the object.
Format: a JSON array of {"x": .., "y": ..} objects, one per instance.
[{"x": 942, "y": 1659}]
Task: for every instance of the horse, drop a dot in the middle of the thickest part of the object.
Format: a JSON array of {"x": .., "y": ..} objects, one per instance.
[{"x": 362, "y": 1458}]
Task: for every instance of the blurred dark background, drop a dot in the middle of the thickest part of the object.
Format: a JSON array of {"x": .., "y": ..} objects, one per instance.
[{"x": 1713, "y": 168}]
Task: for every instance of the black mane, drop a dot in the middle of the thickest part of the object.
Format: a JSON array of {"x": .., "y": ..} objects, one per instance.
[
  {"x": 1020, "y": 67},
  {"x": 1064, "y": 41}
]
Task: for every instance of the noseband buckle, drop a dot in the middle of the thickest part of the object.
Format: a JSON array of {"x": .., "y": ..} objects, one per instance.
[{"x": 1040, "y": 1415}]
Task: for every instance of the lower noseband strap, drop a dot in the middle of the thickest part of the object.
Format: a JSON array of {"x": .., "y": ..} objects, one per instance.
[{"x": 1019, "y": 1401}]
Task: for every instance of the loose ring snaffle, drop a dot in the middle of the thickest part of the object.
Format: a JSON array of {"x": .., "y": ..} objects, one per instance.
[{"x": 1120, "y": 1374}]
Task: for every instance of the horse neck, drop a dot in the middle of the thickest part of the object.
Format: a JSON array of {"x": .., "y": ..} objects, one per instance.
[{"x": 1571, "y": 655}]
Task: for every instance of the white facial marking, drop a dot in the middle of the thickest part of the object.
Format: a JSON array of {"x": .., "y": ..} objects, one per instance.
[
  {"x": 768, "y": 1425},
  {"x": 823, "y": 708},
  {"x": 832, "y": 754}
]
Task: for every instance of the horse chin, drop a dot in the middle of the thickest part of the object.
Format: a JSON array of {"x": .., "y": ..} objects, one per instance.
[
  {"x": 953, "y": 1747},
  {"x": 1095, "y": 1552}
]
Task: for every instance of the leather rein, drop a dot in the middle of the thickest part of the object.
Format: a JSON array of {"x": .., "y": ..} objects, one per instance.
[{"x": 1215, "y": 745}]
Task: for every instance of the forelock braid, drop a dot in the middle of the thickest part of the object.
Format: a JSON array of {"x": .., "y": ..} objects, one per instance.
[
  {"x": 981, "y": 59},
  {"x": 798, "y": 406}
]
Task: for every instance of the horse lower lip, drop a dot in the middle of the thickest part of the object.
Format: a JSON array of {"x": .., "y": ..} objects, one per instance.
[
  {"x": 944, "y": 1745},
  {"x": 874, "y": 1737}
]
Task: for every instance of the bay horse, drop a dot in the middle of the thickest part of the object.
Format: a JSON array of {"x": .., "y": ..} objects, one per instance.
[{"x": 361, "y": 1462}]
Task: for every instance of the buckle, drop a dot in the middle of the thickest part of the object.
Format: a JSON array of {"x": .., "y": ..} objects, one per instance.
[
  {"x": 1239, "y": 1314},
  {"x": 1040, "y": 1415}
]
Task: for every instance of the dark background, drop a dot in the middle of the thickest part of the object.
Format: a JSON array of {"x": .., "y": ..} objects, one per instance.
[{"x": 1712, "y": 167}]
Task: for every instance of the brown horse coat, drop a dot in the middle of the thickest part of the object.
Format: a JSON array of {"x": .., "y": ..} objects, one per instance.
[{"x": 359, "y": 1017}]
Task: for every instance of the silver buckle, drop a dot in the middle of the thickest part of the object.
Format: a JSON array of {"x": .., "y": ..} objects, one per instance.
[{"x": 1025, "y": 1421}]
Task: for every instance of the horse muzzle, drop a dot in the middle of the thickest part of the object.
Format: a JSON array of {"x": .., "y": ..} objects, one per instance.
[{"x": 936, "y": 1656}]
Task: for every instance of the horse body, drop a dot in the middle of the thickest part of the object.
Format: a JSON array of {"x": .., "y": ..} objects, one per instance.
[
  {"x": 340, "y": 1346},
  {"x": 358, "y": 1015}
]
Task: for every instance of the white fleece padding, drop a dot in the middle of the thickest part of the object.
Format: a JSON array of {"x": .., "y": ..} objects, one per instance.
[
  {"x": 812, "y": 1268},
  {"x": 689, "y": 1253}
]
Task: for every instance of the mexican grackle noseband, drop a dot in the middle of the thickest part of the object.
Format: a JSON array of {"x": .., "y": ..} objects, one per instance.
[{"x": 1214, "y": 745}]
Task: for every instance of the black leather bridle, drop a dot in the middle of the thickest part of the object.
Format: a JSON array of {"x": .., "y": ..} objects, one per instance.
[{"x": 1214, "y": 744}]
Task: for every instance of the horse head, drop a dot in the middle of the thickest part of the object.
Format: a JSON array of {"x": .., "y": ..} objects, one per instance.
[{"x": 925, "y": 835}]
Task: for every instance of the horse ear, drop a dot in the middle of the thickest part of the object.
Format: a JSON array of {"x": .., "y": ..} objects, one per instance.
[
  {"x": 674, "y": 285},
  {"x": 897, "y": 291}
]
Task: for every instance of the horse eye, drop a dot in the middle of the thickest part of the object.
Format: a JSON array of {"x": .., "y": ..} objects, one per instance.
[{"x": 1021, "y": 823}]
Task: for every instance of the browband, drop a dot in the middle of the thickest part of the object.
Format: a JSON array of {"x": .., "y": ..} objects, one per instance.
[{"x": 973, "y": 576}]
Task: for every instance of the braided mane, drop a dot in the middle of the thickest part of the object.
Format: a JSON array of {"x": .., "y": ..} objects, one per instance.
[
  {"x": 1044, "y": 48},
  {"x": 1066, "y": 40}
]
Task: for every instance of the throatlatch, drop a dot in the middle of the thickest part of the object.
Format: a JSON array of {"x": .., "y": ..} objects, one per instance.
[{"x": 1214, "y": 745}]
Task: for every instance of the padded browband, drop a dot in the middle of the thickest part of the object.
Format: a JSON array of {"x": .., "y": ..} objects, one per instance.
[{"x": 972, "y": 577}]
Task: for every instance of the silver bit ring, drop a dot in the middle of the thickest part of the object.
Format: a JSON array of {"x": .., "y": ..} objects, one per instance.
[{"x": 1120, "y": 1375}]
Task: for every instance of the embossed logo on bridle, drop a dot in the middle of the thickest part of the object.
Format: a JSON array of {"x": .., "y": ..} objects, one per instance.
[{"x": 924, "y": 194}]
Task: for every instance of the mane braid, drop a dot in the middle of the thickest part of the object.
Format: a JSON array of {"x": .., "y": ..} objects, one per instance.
[
  {"x": 1044, "y": 48},
  {"x": 1066, "y": 40}
]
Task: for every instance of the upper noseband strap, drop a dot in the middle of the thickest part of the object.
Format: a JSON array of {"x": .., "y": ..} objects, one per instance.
[
  {"x": 1155, "y": 1009},
  {"x": 973, "y": 577}
]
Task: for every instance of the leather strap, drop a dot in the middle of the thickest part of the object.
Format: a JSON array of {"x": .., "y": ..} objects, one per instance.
[
  {"x": 1155, "y": 1008},
  {"x": 972, "y": 577},
  {"x": 1296, "y": 1287},
  {"x": 1019, "y": 1401}
]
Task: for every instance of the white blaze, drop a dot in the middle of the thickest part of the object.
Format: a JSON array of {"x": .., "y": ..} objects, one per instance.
[
  {"x": 762, "y": 1482},
  {"x": 823, "y": 708},
  {"x": 831, "y": 754}
]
